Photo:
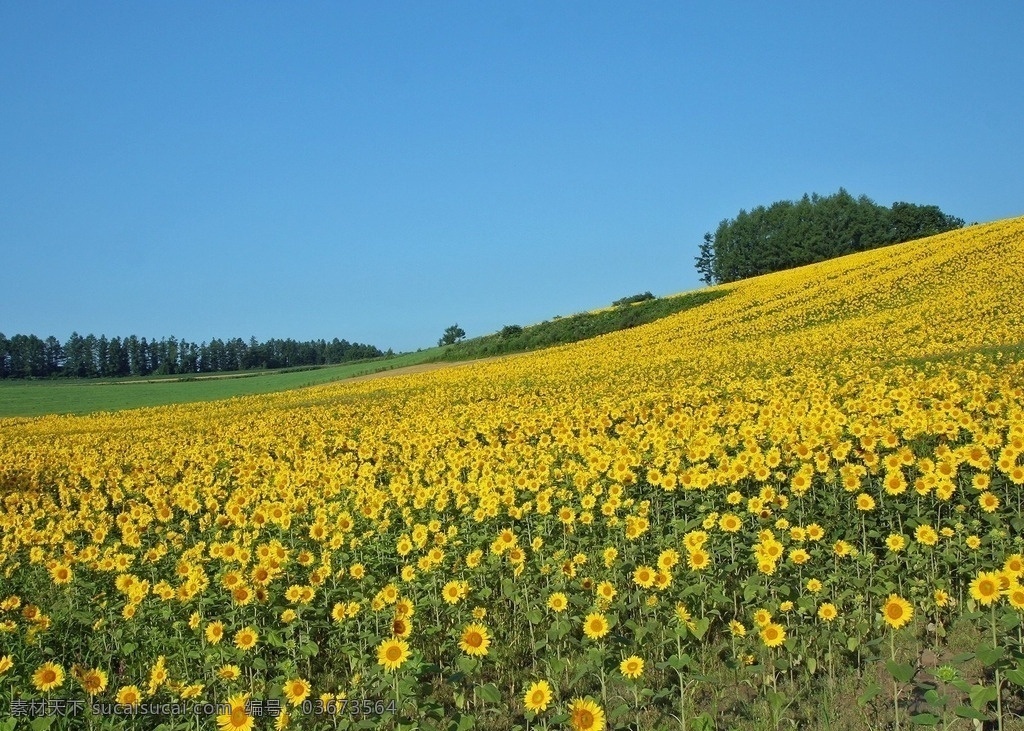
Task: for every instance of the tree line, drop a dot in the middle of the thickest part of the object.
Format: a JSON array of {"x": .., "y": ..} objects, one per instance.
[
  {"x": 789, "y": 234},
  {"x": 28, "y": 356}
]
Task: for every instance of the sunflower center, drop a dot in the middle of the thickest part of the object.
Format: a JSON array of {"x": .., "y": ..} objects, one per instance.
[
  {"x": 894, "y": 611},
  {"x": 394, "y": 653},
  {"x": 49, "y": 676},
  {"x": 474, "y": 639},
  {"x": 239, "y": 716},
  {"x": 987, "y": 588}
]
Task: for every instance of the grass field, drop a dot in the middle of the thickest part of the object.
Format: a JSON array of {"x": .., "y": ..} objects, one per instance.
[{"x": 74, "y": 396}]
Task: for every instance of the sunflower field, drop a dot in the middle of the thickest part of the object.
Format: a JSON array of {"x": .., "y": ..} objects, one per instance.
[{"x": 797, "y": 505}]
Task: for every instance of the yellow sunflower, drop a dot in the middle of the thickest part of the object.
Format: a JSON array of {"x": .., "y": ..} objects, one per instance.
[
  {"x": 897, "y": 611},
  {"x": 632, "y": 667},
  {"x": 985, "y": 587},
  {"x": 238, "y": 719},
  {"x": 538, "y": 696},
  {"x": 773, "y": 634},
  {"x": 585, "y": 715},
  {"x": 246, "y": 638},
  {"x": 392, "y": 653},
  {"x": 48, "y": 677},
  {"x": 475, "y": 640},
  {"x": 557, "y": 602},
  {"x": 296, "y": 691},
  {"x": 595, "y": 625}
]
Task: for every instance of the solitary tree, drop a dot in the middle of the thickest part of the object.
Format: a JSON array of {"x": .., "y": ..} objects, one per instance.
[{"x": 452, "y": 335}]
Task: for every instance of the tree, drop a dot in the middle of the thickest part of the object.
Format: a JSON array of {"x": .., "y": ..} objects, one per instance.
[
  {"x": 452, "y": 335},
  {"x": 789, "y": 234}
]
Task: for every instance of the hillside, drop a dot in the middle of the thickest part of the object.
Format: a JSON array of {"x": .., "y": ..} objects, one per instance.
[{"x": 797, "y": 501}]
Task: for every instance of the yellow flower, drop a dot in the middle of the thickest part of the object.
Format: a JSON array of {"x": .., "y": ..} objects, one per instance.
[
  {"x": 229, "y": 672},
  {"x": 6, "y": 663},
  {"x": 895, "y": 542},
  {"x": 296, "y": 690},
  {"x": 926, "y": 535},
  {"x": 644, "y": 576},
  {"x": 586, "y": 715},
  {"x": 988, "y": 502},
  {"x": 214, "y": 632},
  {"x": 238, "y": 718},
  {"x": 557, "y": 602},
  {"x": 475, "y": 640},
  {"x": 595, "y": 626},
  {"x": 246, "y": 638},
  {"x": 736, "y": 629},
  {"x": 632, "y": 667},
  {"x": 129, "y": 695},
  {"x": 94, "y": 681},
  {"x": 48, "y": 677},
  {"x": 773, "y": 634},
  {"x": 61, "y": 574},
  {"x": 897, "y": 611},
  {"x": 762, "y": 617},
  {"x": 537, "y": 696},
  {"x": 985, "y": 587},
  {"x": 827, "y": 612},
  {"x": 392, "y": 653}
]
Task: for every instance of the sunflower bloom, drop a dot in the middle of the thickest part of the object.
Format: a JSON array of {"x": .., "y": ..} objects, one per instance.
[
  {"x": 773, "y": 634},
  {"x": 595, "y": 626},
  {"x": 985, "y": 588},
  {"x": 475, "y": 640},
  {"x": 586, "y": 715},
  {"x": 238, "y": 719},
  {"x": 632, "y": 667},
  {"x": 538, "y": 696},
  {"x": 897, "y": 611},
  {"x": 392, "y": 653},
  {"x": 48, "y": 677}
]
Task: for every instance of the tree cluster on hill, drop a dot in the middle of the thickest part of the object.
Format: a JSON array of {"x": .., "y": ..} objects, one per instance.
[
  {"x": 28, "y": 356},
  {"x": 789, "y": 234}
]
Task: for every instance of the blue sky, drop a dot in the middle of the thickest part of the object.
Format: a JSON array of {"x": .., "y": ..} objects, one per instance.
[{"x": 379, "y": 171}]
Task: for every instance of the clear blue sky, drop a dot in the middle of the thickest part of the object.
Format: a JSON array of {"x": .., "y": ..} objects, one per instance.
[{"x": 377, "y": 171}]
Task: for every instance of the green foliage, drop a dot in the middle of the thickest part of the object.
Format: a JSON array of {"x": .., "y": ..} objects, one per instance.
[
  {"x": 453, "y": 334},
  {"x": 558, "y": 331},
  {"x": 633, "y": 299},
  {"x": 789, "y": 234}
]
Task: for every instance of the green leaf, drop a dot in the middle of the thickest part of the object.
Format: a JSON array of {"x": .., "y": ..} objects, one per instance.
[
  {"x": 489, "y": 693},
  {"x": 8, "y": 725},
  {"x": 982, "y": 695},
  {"x": 701, "y": 627},
  {"x": 42, "y": 723},
  {"x": 1015, "y": 676},
  {"x": 618, "y": 712},
  {"x": 924, "y": 719},
  {"x": 968, "y": 712},
  {"x": 851, "y": 643},
  {"x": 310, "y": 649},
  {"x": 812, "y": 665},
  {"x": 869, "y": 694},
  {"x": 989, "y": 655},
  {"x": 902, "y": 672},
  {"x": 534, "y": 616},
  {"x": 128, "y": 648}
]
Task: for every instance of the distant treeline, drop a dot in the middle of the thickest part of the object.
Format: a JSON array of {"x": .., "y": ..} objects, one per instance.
[
  {"x": 789, "y": 234},
  {"x": 27, "y": 356}
]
